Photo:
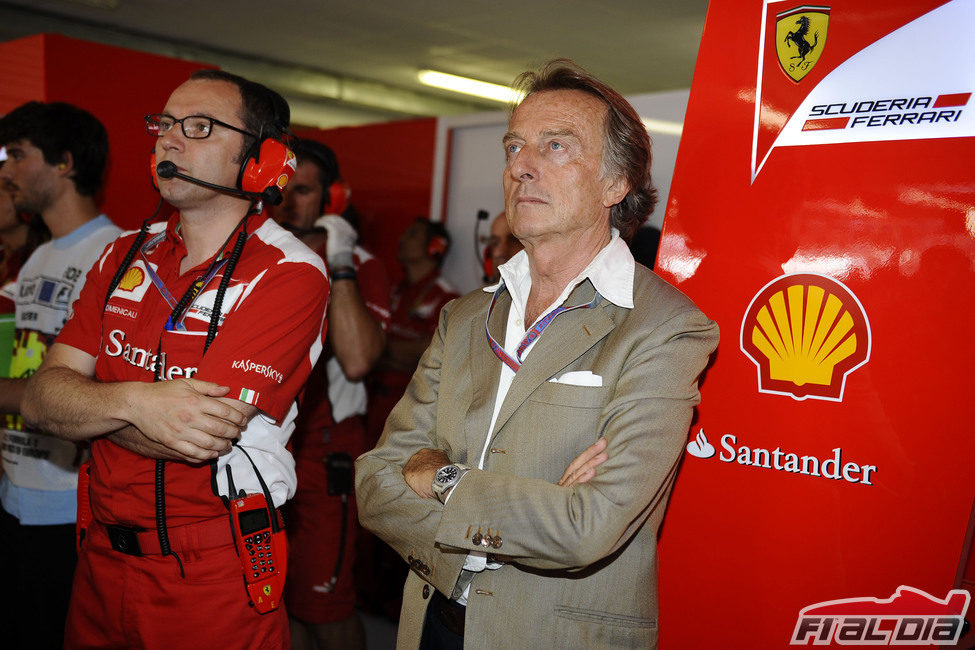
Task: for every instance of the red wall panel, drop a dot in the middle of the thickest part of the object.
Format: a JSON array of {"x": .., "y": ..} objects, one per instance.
[
  {"x": 389, "y": 166},
  {"x": 22, "y": 66}
]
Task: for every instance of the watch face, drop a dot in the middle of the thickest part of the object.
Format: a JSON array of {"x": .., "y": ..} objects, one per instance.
[{"x": 446, "y": 474}]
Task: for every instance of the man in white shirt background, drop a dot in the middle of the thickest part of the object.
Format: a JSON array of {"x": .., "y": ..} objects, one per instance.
[{"x": 55, "y": 162}]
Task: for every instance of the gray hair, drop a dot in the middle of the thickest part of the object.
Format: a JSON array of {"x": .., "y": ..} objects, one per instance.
[{"x": 626, "y": 144}]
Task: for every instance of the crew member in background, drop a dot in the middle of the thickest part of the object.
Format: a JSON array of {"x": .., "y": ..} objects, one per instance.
[
  {"x": 502, "y": 245},
  {"x": 56, "y": 156},
  {"x": 181, "y": 364},
  {"x": 416, "y": 304},
  {"x": 13, "y": 240},
  {"x": 330, "y": 433}
]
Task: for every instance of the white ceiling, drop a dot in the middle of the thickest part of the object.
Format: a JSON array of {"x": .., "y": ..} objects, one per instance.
[{"x": 341, "y": 62}]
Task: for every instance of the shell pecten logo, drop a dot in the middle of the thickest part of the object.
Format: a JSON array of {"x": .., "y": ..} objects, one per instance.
[
  {"x": 132, "y": 279},
  {"x": 806, "y": 333}
]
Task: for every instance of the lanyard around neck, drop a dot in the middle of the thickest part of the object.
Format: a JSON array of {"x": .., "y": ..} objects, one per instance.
[
  {"x": 196, "y": 288},
  {"x": 531, "y": 335}
]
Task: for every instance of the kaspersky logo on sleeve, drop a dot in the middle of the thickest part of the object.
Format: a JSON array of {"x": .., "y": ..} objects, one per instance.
[
  {"x": 806, "y": 333},
  {"x": 909, "y": 617}
]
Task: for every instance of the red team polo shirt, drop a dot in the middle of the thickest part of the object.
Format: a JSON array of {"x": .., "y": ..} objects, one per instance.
[
  {"x": 317, "y": 538},
  {"x": 316, "y": 405},
  {"x": 271, "y": 333}
]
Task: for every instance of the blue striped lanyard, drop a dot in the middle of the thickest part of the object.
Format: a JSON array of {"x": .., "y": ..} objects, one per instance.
[
  {"x": 167, "y": 295},
  {"x": 530, "y": 336}
]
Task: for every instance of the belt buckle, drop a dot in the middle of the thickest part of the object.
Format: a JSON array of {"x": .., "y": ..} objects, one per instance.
[{"x": 124, "y": 540}]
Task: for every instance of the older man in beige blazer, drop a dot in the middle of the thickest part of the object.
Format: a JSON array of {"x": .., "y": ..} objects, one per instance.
[{"x": 525, "y": 473}]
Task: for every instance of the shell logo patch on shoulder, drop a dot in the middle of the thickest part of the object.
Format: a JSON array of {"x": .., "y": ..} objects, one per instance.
[{"x": 132, "y": 278}]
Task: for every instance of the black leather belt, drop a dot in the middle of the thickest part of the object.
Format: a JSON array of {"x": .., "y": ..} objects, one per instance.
[
  {"x": 201, "y": 535},
  {"x": 449, "y": 612}
]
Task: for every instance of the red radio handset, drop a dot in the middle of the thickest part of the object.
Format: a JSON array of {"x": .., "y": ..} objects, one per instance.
[
  {"x": 260, "y": 542},
  {"x": 262, "y": 548}
]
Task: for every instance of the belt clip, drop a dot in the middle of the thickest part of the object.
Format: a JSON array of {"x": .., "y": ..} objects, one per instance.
[{"x": 124, "y": 540}]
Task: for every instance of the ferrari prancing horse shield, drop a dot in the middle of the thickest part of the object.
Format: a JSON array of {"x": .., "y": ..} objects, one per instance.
[{"x": 800, "y": 35}]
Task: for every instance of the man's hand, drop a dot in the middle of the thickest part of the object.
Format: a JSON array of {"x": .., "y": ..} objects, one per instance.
[
  {"x": 421, "y": 468},
  {"x": 583, "y": 468},
  {"x": 185, "y": 416}
]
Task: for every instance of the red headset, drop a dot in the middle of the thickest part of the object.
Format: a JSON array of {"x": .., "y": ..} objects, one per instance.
[
  {"x": 265, "y": 171},
  {"x": 487, "y": 262},
  {"x": 152, "y": 170},
  {"x": 437, "y": 246},
  {"x": 268, "y": 166},
  {"x": 337, "y": 197}
]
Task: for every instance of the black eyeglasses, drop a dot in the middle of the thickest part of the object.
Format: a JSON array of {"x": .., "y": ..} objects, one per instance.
[{"x": 195, "y": 127}]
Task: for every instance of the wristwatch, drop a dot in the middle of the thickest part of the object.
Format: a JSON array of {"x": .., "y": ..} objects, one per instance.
[{"x": 446, "y": 478}]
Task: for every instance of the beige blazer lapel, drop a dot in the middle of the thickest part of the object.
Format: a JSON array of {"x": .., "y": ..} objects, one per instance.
[
  {"x": 486, "y": 372},
  {"x": 567, "y": 338}
]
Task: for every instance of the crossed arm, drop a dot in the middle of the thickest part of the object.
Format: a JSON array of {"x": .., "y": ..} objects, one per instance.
[
  {"x": 644, "y": 423},
  {"x": 182, "y": 419},
  {"x": 423, "y": 465}
]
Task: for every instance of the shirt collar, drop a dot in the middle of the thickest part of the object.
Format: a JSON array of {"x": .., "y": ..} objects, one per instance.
[
  {"x": 610, "y": 271},
  {"x": 254, "y": 221}
]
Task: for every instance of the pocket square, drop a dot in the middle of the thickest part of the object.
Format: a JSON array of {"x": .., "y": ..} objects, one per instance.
[{"x": 578, "y": 378}]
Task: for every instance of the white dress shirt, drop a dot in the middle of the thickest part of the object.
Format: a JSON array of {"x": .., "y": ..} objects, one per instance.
[{"x": 611, "y": 273}]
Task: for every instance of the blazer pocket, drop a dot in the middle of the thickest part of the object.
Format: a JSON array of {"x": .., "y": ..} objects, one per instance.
[
  {"x": 568, "y": 395},
  {"x": 589, "y": 628}
]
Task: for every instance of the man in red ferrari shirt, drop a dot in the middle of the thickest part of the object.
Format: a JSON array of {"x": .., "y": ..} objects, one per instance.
[{"x": 181, "y": 364}]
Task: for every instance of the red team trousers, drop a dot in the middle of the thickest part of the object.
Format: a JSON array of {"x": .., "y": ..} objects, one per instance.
[{"x": 143, "y": 602}]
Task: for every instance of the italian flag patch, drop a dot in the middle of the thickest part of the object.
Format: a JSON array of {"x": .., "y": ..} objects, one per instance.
[{"x": 247, "y": 396}]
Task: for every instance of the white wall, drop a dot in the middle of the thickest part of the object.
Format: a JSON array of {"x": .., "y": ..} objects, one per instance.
[{"x": 470, "y": 160}]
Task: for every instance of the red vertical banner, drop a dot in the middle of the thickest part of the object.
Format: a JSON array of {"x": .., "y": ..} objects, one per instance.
[{"x": 823, "y": 213}]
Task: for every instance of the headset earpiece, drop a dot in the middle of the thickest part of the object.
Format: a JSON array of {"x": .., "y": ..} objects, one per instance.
[
  {"x": 267, "y": 168},
  {"x": 437, "y": 247},
  {"x": 152, "y": 170},
  {"x": 487, "y": 262},
  {"x": 337, "y": 199}
]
